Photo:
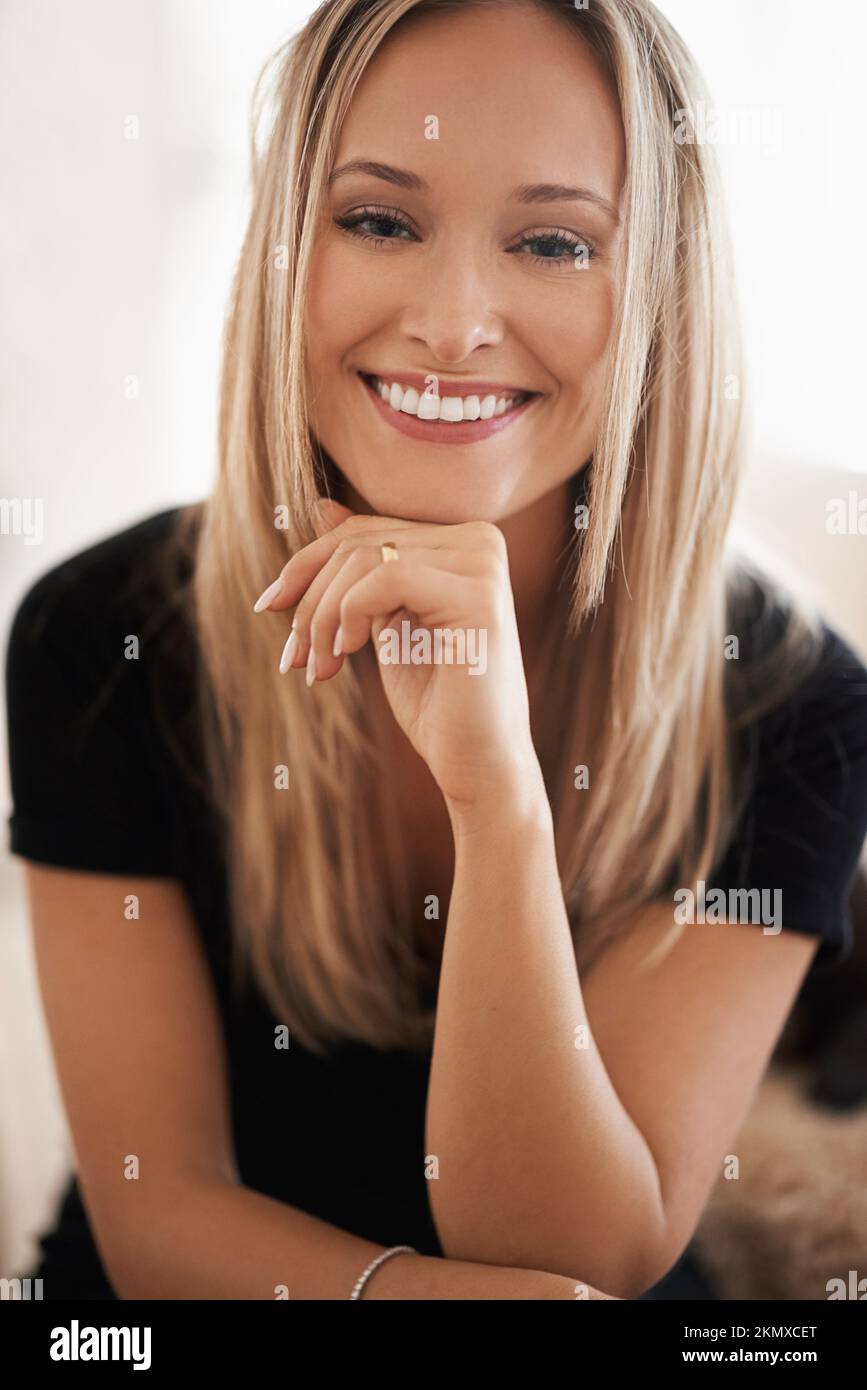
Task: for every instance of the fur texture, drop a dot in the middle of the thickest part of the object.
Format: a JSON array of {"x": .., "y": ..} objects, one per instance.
[{"x": 797, "y": 1214}]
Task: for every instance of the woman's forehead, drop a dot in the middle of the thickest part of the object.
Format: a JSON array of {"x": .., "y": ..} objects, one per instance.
[{"x": 512, "y": 93}]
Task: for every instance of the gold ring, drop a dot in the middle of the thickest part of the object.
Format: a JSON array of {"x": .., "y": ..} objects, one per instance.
[{"x": 388, "y": 552}]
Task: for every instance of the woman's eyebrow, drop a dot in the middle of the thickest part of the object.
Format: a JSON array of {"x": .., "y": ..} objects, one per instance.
[
  {"x": 524, "y": 193},
  {"x": 561, "y": 193}
]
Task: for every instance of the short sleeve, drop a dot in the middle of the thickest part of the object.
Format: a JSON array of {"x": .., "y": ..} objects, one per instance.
[
  {"x": 803, "y": 828},
  {"x": 84, "y": 772}
]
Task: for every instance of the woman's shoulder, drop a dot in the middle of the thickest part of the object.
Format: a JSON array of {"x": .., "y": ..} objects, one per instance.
[
  {"x": 97, "y": 579},
  {"x": 797, "y": 695},
  {"x": 84, "y": 656},
  {"x": 790, "y": 669}
]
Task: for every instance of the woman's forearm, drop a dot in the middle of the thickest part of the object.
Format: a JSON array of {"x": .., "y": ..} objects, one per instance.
[
  {"x": 214, "y": 1240},
  {"x": 538, "y": 1161}
]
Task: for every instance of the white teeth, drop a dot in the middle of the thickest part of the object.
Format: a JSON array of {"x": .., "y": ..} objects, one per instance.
[{"x": 452, "y": 409}]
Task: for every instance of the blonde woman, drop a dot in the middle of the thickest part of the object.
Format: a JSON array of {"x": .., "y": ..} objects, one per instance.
[{"x": 434, "y": 946}]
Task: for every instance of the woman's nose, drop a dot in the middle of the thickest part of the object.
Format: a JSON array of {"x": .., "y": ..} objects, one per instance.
[{"x": 454, "y": 307}]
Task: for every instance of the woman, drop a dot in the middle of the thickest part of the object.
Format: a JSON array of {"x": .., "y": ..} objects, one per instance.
[{"x": 409, "y": 956}]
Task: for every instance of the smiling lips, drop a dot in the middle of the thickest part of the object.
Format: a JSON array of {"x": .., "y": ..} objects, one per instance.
[
  {"x": 474, "y": 402},
  {"x": 479, "y": 410}
]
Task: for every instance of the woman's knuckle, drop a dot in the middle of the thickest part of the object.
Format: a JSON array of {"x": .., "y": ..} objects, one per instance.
[
  {"x": 491, "y": 536},
  {"x": 361, "y": 558}
]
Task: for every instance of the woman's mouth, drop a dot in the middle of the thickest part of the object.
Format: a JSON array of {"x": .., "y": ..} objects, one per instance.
[{"x": 444, "y": 419}]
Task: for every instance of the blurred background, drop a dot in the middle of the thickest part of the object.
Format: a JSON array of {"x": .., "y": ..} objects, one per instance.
[{"x": 123, "y": 198}]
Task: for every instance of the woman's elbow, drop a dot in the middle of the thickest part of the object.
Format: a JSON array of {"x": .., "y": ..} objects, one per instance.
[{"x": 625, "y": 1268}]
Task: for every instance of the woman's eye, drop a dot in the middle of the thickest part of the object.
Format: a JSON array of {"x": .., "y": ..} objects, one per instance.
[
  {"x": 385, "y": 222},
  {"x": 563, "y": 251}
]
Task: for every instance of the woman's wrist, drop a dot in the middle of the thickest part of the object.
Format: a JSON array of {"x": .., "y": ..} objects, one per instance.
[{"x": 513, "y": 797}]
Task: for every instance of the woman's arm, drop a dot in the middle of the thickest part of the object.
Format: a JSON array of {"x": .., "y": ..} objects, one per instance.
[
  {"x": 535, "y": 1148},
  {"x": 140, "y": 1058},
  {"x": 602, "y": 1154},
  {"x": 221, "y": 1241},
  {"x": 597, "y": 1157}
]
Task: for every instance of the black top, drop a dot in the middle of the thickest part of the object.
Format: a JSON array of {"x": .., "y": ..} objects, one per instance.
[{"x": 97, "y": 784}]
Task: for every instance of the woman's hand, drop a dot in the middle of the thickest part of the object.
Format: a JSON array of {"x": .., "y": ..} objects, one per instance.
[{"x": 469, "y": 722}]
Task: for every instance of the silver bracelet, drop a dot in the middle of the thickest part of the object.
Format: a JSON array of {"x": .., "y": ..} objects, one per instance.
[{"x": 374, "y": 1265}]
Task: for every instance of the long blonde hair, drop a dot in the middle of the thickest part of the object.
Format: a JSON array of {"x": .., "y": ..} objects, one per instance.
[{"x": 638, "y": 689}]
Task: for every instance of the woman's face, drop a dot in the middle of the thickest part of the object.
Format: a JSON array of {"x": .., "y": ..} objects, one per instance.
[{"x": 461, "y": 268}]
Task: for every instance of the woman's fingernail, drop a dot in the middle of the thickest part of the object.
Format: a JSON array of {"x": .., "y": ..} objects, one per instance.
[
  {"x": 289, "y": 653},
  {"x": 311, "y": 667},
  {"x": 338, "y": 642},
  {"x": 268, "y": 596}
]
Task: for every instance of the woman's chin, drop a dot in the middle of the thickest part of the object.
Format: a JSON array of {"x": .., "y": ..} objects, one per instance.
[
  {"x": 436, "y": 512},
  {"x": 441, "y": 505}
]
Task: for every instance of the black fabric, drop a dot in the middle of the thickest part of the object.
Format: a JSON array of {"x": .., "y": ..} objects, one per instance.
[
  {"x": 686, "y": 1280},
  {"x": 105, "y": 767},
  {"x": 803, "y": 828}
]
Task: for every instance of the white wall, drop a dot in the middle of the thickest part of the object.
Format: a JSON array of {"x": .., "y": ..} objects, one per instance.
[{"x": 798, "y": 209}]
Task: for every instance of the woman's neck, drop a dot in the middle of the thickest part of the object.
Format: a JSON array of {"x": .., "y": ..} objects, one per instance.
[{"x": 538, "y": 540}]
